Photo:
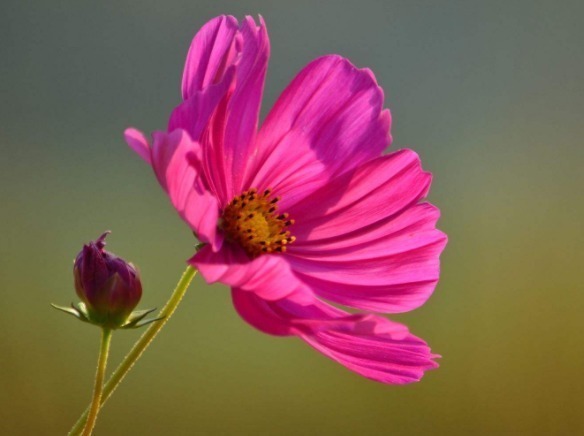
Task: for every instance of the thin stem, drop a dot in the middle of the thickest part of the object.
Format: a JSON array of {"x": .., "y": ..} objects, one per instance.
[
  {"x": 141, "y": 344},
  {"x": 106, "y": 338}
]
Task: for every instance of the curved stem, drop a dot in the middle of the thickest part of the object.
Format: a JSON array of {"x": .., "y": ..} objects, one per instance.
[
  {"x": 106, "y": 337},
  {"x": 141, "y": 344}
]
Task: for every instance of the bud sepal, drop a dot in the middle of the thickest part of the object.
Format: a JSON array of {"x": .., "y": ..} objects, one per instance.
[
  {"x": 135, "y": 320},
  {"x": 138, "y": 319}
]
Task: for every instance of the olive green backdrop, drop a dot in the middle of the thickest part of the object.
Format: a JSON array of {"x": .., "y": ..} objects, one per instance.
[{"x": 490, "y": 95}]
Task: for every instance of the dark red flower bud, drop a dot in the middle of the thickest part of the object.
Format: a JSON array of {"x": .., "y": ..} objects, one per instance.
[{"x": 108, "y": 285}]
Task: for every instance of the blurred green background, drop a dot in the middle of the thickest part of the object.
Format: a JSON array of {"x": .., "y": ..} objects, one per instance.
[{"x": 490, "y": 94}]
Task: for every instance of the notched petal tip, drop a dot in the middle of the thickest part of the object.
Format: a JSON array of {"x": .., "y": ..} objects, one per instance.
[
  {"x": 386, "y": 358},
  {"x": 137, "y": 319},
  {"x": 369, "y": 345},
  {"x": 209, "y": 54}
]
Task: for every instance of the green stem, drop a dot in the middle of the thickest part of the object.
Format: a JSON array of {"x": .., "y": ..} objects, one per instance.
[
  {"x": 141, "y": 344},
  {"x": 106, "y": 338}
]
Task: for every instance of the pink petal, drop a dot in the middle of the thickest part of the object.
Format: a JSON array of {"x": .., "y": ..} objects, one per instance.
[
  {"x": 199, "y": 115},
  {"x": 377, "y": 357},
  {"x": 392, "y": 266},
  {"x": 138, "y": 142},
  {"x": 268, "y": 276},
  {"x": 391, "y": 283},
  {"x": 211, "y": 53},
  {"x": 417, "y": 218},
  {"x": 363, "y": 242},
  {"x": 329, "y": 120},
  {"x": 222, "y": 113},
  {"x": 374, "y": 191},
  {"x": 369, "y": 345},
  {"x": 193, "y": 115},
  {"x": 180, "y": 179},
  {"x": 231, "y": 132},
  {"x": 208, "y": 80},
  {"x": 244, "y": 105},
  {"x": 207, "y": 84}
]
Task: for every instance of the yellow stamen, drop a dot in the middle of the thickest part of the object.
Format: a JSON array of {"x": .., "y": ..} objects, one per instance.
[{"x": 252, "y": 220}]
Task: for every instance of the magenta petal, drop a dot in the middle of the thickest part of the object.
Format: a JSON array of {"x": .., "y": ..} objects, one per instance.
[
  {"x": 390, "y": 284},
  {"x": 376, "y": 190},
  {"x": 222, "y": 113},
  {"x": 330, "y": 119},
  {"x": 380, "y": 358},
  {"x": 193, "y": 115},
  {"x": 138, "y": 142},
  {"x": 183, "y": 183},
  {"x": 369, "y": 345},
  {"x": 362, "y": 240},
  {"x": 268, "y": 276},
  {"x": 211, "y": 53},
  {"x": 244, "y": 105},
  {"x": 260, "y": 313},
  {"x": 390, "y": 267},
  {"x": 180, "y": 179},
  {"x": 208, "y": 81}
]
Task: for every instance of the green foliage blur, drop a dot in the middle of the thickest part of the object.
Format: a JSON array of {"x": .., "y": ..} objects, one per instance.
[{"x": 489, "y": 94}]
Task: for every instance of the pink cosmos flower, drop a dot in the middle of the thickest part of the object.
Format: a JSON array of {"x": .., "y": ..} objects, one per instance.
[{"x": 305, "y": 209}]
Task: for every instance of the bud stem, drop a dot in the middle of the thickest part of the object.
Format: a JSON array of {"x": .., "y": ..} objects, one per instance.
[
  {"x": 106, "y": 337},
  {"x": 141, "y": 345}
]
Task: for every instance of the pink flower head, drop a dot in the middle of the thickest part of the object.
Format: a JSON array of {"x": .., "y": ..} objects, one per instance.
[{"x": 306, "y": 208}]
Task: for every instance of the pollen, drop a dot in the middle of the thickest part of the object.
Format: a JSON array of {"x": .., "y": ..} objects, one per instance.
[{"x": 253, "y": 221}]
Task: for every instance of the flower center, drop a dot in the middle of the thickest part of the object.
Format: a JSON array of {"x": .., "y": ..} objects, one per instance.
[{"x": 252, "y": 220}]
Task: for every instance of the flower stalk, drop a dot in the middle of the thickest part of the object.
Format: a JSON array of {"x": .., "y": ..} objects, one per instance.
[
  {"x": 106, "y": 337},
  {"x": 140, "y": 346}
]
